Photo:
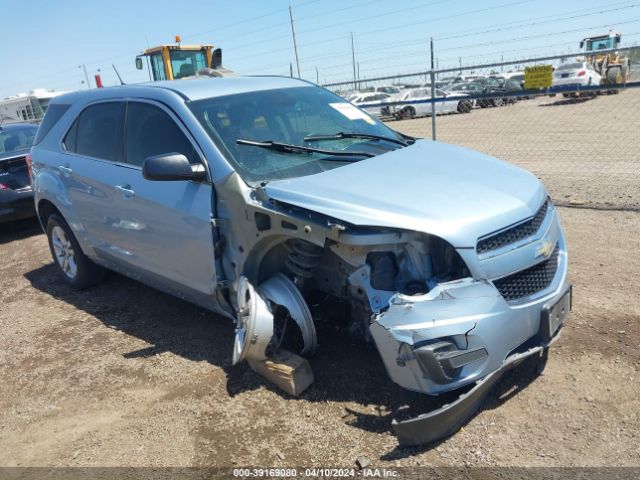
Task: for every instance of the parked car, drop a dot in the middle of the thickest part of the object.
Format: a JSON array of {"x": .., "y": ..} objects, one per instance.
[
  {"x": 16, "y": 195},
  {"x": 517, "y": 76},
  {"x": 250, "y": 196},
  {"x": 422, "y": 106},
  {"x": 576, "y": 75},
  {"x": 467, "y": 90},
  {"x": 370, "y": 102},
  {"x": 506, "y": 85},
  {"x": 390, "y": 89}
]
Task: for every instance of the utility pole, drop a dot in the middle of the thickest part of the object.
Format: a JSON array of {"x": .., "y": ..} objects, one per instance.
[
  {"x": 358, "y": 70},
  {"x": 295, "y": 45},
  {"x": 502, "y": 61},
  {"x": 291, "y": 69},
  {"x": 433, "y": 96},
  {"x": 353, "y": 59},
  {"x": 86, "y": 75},
  {"x": 317, "y": 77},
  {"x": 460, "y": 61}
]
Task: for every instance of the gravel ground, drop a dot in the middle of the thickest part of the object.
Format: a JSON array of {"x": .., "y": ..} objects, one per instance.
[
  {"x": 585, "y": 150},
  {"x": 123, "y": 375}
]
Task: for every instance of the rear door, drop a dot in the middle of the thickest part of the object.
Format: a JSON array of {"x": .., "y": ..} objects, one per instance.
[
  {"x": 93, "y": 156},
  {"x": 164, "y": 226}
]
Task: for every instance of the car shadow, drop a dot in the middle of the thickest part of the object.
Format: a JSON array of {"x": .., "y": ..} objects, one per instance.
[
  {"x": 19, "y": 230},
  {"x": 346, "y": 370},
  {"x": 567, "y": 101}
]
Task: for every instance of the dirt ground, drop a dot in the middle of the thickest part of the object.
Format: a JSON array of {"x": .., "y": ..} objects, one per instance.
[
  {"x": 123, "y": 375},
  {"x": 586, "y": 150}
]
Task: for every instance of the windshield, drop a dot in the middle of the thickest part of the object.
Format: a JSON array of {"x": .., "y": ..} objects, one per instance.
[
  {"x": 185, "y": 63},
  {"x": 601, "y": 44},
  {"x": 287, "y": 115},
  {"x": 17, "y": 138}
]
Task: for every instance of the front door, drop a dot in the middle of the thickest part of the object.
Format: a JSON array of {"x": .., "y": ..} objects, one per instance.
[{"x": 164, "y": 226}]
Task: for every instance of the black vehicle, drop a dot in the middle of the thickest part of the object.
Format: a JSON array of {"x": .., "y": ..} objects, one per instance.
[{"x": 16, "y": 194}]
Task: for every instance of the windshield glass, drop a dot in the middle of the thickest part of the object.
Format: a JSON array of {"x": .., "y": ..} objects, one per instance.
[
  {"x": 287, "y": 115},
  {"x": 17, "y": 138},
  {"x": 186, "y": 63},
  {"x": 601, "y": 44}
]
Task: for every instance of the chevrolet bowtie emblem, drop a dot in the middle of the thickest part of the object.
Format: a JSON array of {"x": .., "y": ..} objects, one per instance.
[{"x": 545, "y": 249}]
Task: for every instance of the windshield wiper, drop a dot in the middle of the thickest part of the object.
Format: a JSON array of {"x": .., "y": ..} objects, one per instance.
[
  {"x": 290, "y": 148},
  {"x": 340, "y": 135}
]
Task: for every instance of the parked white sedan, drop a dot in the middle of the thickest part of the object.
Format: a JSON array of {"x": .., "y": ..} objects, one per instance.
[
  {"x": 370, "y": 102},
  {"x": 578, "y": 74},
  {"x": 422, "y": 106}
]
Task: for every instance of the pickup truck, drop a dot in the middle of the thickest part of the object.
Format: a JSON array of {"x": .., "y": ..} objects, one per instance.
[{"x": 248, "y": 195}]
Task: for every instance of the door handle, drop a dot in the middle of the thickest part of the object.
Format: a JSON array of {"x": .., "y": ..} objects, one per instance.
[
  {"x": 126, "y": 190},
  {"x": 65, "y": 169}
]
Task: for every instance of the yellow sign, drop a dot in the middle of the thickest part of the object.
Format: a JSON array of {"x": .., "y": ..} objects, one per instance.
[{"x": 539, "y": 76}]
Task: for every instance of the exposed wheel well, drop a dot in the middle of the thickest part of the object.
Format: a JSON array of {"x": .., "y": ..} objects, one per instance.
[{"x": 45, "y": 209}]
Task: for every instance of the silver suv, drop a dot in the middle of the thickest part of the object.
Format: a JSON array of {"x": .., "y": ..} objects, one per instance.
[{"x": 247, "y": 196}]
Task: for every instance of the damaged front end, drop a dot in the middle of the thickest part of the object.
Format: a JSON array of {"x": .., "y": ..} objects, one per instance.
[
  {"x": 443, "y": 318},
  {"x": 472, "y": 330}
]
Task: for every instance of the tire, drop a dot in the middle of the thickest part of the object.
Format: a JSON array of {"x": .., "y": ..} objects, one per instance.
[
  {"x": 408, "y": 113},
  {"x": 614, "y": 76},
  {"x": 464, "y": 106},
  {"x": 565, "y": 95},
  {"x": 498, "y": 102},
  {"x": 74, "y": 266}
]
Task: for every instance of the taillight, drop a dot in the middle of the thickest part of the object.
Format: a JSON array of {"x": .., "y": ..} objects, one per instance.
[
  {"x": 27, "y": 159},
  {"x": 581, "y": 73},
  {"x": 3, "y": 187}
]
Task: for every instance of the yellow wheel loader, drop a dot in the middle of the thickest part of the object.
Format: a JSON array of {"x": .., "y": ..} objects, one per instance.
[
  {"x": 176, "y": 61},
  {"x": 613, "y": 67}
]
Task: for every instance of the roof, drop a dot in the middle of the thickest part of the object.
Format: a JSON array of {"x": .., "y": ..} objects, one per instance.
[{"x": 195, "y": 88}]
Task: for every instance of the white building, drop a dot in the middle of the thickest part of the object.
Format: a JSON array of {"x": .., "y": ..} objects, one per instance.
[{"x": 27, "y": 106}]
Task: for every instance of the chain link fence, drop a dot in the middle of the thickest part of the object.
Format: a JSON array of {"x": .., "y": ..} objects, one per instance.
[{"x": 581, "y": 138}]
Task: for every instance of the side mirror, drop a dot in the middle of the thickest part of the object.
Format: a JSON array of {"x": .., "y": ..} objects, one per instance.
[
  {"x": 139, "y": 63},
  {"x": 582, "y": 44},
  {"x": 172, "y": 167}
]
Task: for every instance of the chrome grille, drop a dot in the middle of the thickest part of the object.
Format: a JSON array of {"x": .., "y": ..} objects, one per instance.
[
  {"x": 513, "y": 234},
  {"x": 529, "y": 281}
]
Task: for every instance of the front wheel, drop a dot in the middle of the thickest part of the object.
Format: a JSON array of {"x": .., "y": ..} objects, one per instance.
[{"x": 76, "y": 268}]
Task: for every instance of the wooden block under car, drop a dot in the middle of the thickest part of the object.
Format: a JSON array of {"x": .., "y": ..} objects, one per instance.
[{"x": 289, "y": 371}]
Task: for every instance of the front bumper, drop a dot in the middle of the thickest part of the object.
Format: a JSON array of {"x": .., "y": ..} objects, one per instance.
[
  {"x": 16, "y": 204},
  {"x": 446, "y": 420}
]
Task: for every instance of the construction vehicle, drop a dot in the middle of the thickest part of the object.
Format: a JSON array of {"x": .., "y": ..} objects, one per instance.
[
  {"x": 613, "y": 67},
  {"x": 176, "y": 61}
]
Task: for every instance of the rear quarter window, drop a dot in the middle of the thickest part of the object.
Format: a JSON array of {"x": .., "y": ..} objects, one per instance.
[{"x": 54, "y": 113}]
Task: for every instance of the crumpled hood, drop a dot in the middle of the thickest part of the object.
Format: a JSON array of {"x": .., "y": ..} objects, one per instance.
[{"x": 432, "y": 187}]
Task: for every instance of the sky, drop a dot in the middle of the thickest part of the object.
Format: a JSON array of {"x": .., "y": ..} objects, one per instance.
[{"x": 44, "y": 42}]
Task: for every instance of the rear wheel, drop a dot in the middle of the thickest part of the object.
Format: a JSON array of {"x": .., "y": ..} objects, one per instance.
[
  {"x": 498, "y": 102},
  {"x": 407, "y": 113},
  {"x": 76, "y": 269}
]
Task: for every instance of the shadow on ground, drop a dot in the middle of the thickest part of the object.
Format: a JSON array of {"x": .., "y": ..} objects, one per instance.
[
  {"x": 345, "y": 369},
  {"x": 19, "y": 230},
  {"x": 567, "y": 101}
]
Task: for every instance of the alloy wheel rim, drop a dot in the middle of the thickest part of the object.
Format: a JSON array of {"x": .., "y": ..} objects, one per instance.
[{"x": 64, "y": 253}]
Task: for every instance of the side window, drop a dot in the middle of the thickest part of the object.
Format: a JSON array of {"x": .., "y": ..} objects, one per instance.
[
  {"x": 150, "y": 131},
  {"x": 157, "y": 65},
  {"x": 54, "y": 112},
  {"x": 97, "y": 132}
]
